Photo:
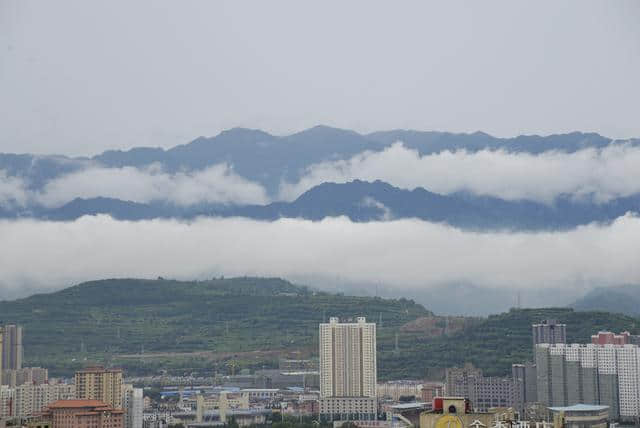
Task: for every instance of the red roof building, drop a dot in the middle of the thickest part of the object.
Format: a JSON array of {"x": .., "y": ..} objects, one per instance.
[{"x": 82, "y": 414}]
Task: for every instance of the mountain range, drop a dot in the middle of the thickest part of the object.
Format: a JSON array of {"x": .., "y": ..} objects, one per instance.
[
  {"x": 270, "y": 160},
  {"x": 363, "y": 201}
]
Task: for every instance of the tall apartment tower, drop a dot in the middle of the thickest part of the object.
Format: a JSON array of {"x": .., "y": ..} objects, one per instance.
[
  {"x": 590, "y": 374},
  {"x": 132, "y": 403},
  {"x": 12, "y": 347},
  {"x": 549, "y": 331},
  {"x": 98, "y": 383},
  {"x": 348, "y": 370}
]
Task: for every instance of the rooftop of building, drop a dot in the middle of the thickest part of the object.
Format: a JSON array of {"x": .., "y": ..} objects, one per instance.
[
  {"x": 89, "y": 406},
  {"x": 407, "y": 406},
  {"x": 259, "y": 390},
  {"x": 99, "y": 369},
  {"x": 580, "y": 408},
  {"x": 585, "y": 345},
  {"x": 77, "y": 403}
]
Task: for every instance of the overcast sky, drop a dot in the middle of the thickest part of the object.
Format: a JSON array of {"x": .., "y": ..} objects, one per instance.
[{"x": 78, "y": 77}]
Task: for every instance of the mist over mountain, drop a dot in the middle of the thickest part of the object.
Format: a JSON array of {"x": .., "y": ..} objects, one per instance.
[
  {"x": 269, "y": 160},
  {"x": 362, "y": 201},
  {"x": 466, "y": 180},
  {"x": 624, "y": 299},
  {"x": 466, "y": 222}
]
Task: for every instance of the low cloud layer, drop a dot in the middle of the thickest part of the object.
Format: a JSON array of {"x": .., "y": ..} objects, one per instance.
[
  {"x": 606, "y": 174},
  {"x": 218, "y": 184},
  {"x": 13, "y": 191},
  {"x": 411, "y": 254},
  {"x": 601, "y": 174}
]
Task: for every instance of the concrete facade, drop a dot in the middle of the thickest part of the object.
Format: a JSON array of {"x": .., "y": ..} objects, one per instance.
[
  {"x": 82, "y": 414},
  {"x": 32, "y": 375},
  {"x": 12, "y": 347},
  {"x": 98, "y": 383},
  {"x": 483, "y": 392},
  {"x": 29, "y": 399},
  {"x": 132, "y": 403},
  {"x": 348, "y": 370},
  {"x": 590, "y": 374},
  {"x": 549, "y": 331}
]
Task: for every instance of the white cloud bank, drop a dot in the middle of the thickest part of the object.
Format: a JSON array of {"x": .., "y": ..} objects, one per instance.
[
  {"x": 608, "y": 173},
  {"x": 38, "y": 255},
  {"x": 13, "y": 191},
  {"x": 218, "y": 183},
  {"x": 605, "y": 174}
]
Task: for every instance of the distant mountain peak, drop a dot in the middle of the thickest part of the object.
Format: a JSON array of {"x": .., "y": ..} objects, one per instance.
[
  {"x": 239, "y": 131},
  {"x": 324, "y": 131}
]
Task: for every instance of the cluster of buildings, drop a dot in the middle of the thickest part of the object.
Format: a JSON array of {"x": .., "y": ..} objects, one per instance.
[
  {"x": 578, "y": 385},
  {"x": 605, "y": 372},
  {"x": 564, "y": 385},
  {"x": 97, "y": 398}
]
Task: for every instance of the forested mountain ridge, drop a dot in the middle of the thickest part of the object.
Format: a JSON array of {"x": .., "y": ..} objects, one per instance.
[
  {"x": 363, "y": 201},
  {"x": 216, "y": 319}
]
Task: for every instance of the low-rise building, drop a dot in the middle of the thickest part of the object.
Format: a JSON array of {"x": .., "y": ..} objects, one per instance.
[
  {"x": 261, "y": 394},
  {"x": 483, "y": 392},
  {"x": 580, "y": 416},
  {"x": 82, "y": 414},
  {"x": 454, "y": 412},
  {"x": 431, "y": 390},
  {"x": 395, "y": 389}
]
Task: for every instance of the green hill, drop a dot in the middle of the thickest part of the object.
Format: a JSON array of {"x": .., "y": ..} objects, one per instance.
[
  {"x": 500, "y": 340},
  {"x": 198, "y": 326},
  {"x": 104, "y": 319}
]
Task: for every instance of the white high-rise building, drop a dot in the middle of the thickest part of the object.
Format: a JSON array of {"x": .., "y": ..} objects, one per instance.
[
  {"x": 348, "y": 370},
  {"x": 133, "y": 403},
  {"x": 29, "y": 399},
  {"x": 590, "y": 374},
  {"x": 628, "y": 364}
]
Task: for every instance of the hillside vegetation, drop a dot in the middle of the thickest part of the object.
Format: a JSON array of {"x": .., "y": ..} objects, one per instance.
[
  {"x": 500, "y": 340},
  {"x": 124, "y": 316},
  {"x": 199, "y": 325}
]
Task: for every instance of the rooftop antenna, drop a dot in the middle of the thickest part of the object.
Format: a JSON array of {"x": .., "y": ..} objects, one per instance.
[{"x": 518, "y": 300}]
